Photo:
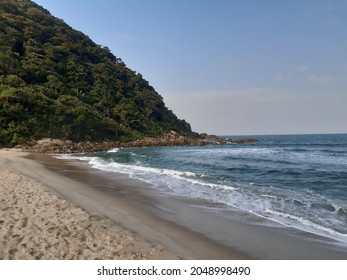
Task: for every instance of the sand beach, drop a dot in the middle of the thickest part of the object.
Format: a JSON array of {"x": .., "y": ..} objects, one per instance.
[
  {"x": 36, "y": 224},
  {"x": 44, "y": 215}
]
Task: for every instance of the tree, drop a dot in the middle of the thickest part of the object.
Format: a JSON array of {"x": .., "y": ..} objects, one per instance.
[{"x": 56, "y": 82}]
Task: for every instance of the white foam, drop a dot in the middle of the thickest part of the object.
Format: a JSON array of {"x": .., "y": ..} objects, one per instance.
[
  {"x": 307, "y": 156},
  {"x": 136, "y": 170},
  {"x": 115, "y": 150},
  {"x": 254, "y": 151},
  {"x": 69, "y": 156},
  {"x": 180, "y": 175},
  {"x": 310, "y": 225},
  {"x": 269, "y": 196}
]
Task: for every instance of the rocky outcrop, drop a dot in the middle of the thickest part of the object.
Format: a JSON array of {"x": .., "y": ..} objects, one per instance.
[
  {"x": 244, "y": 141},
  {"x": 172, "y": 138},
  {"x": 57, "y": 146}
]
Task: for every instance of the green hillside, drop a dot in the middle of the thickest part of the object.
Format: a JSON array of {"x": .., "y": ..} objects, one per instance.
[{"x": 56, "y": 82}]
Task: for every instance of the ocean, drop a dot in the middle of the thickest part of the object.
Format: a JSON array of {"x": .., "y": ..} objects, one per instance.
[{"x": 295, "y": 181}]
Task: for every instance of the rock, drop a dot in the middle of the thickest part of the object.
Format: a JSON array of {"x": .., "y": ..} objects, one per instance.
[
  {"x": 173, "y": 138},
  {"x": 244, "y": 141},
  {"x": 45, "y": 141}
]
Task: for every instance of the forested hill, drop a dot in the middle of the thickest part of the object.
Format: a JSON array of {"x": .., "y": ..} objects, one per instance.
[{"x": 56, "y": 82}]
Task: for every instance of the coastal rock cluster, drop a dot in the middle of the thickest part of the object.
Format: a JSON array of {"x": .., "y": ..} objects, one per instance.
[{"x": 173, "y": 138}]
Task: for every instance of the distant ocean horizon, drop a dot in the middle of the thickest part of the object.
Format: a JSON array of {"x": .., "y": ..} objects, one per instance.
[{"x": 295, "y": 180}]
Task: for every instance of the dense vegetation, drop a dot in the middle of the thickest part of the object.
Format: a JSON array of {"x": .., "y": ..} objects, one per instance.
[{"x": 56, "y": 82}]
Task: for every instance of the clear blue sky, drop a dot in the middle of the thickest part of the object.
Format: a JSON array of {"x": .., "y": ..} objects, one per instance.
[{"x": 230, "y": 66}]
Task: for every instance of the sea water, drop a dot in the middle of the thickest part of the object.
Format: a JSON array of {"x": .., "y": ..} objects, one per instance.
[{"x": 297, "y": 181}]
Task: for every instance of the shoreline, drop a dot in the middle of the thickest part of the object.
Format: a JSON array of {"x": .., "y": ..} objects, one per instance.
[
  {"x": 231, "y": 229},
  {"x": 182, "y": 229},
  {"x": 62, "y": 228}
]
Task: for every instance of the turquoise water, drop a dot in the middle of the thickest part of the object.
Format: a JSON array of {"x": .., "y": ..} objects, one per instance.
[{"x": 295, "y": 180}]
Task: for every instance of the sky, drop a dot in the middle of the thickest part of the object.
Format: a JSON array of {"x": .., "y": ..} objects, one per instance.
[{"x": 230, "y": 67}]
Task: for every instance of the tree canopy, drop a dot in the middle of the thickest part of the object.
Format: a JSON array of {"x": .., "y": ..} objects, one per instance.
[{"x": 56, "y": 82}]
